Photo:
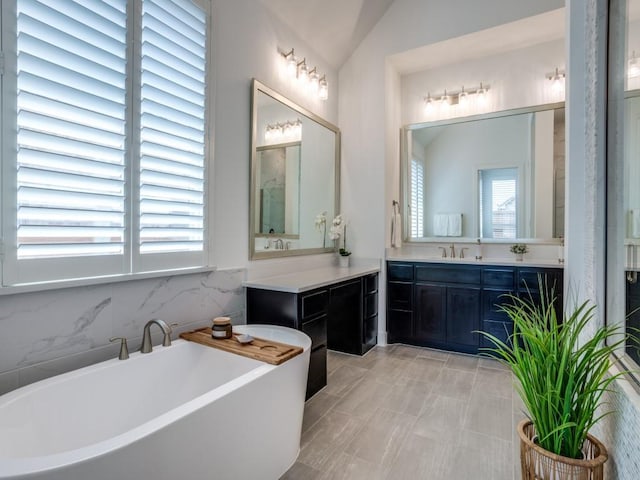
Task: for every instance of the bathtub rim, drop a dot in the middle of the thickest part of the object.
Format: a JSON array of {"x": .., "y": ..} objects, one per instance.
[{"x": 11, "y": 467}]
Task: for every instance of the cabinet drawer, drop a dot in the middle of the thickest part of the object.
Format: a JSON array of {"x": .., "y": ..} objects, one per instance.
[
  {"x": 315, "y": 303},
  {"x": 498, "y": 277},
  {"x": 317, "y": 330},
  {"x": 399, "y": 326},
  {"x": 371, "y": 283},
  {"x": 500, "y": 330},
  {"x": 400, "y": 271},
  {"x": 491, "y": 301},
  {"x": 400, "y": 295},
  {"x": 448, "y": 274},
  {"x": 370, "y": 305}
]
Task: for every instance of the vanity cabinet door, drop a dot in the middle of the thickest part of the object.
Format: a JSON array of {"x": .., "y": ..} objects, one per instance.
[
  {"x": 463, "y": 316},
  {"x": 345, "y": 318},
  {"x": 430, "y": 313}
]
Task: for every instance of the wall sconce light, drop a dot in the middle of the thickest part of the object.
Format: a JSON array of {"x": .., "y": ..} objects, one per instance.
[
  {"x": 289, "y": 131},
  {"x": 308, "y": 78},
  {"x": 557, "y": 79},
  {"x": 633, "y": 66},
  {"x": 457, "y": 101}
]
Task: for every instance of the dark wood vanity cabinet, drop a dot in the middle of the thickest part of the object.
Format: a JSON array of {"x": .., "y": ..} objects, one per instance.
[
  {"x": 341, "y": 316},
  {"x": 444, "y": 305}
]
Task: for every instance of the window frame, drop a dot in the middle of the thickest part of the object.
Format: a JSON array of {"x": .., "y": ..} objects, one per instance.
[{"x": 43, "y": 273}]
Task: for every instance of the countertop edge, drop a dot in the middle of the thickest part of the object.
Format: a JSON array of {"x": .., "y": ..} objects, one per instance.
[
  {"x": 487, "y": 263},
  {"x": 315, "y": 278}
]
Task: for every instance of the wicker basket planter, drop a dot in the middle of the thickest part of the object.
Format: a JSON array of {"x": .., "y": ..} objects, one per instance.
[{"x": 539, "y": 464}]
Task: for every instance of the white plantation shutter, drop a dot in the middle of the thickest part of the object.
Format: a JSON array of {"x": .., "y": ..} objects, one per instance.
[
  {"x": 417, "y": 198},
  {"x": 104, "y": 129},
  {"x": 172, "y": 129},
  {"x": 498, "y": 202},
  {"x": 70, "y": 103}
]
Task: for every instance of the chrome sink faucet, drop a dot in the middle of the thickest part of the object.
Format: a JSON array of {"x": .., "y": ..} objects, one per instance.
[
  {"x": 146, "y": 346},
  {"x": 279, "y": 244},
  {"x": 444, "y": 252},
  {"x": 452, "y": 248}
]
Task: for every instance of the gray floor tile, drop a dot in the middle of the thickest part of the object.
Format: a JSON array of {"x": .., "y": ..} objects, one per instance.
[
  {"x": 420, "y": 458},
  {"x": 442, "y": 419},
  {"x": 300, "y": 471},
  {"x": 487, "y": 415},
  {"x": 480, "y": 457},
  {"x": 432, "y": 353},
  {"x": 329, "y": 437},
  {"x": 316, "y": 407},
  {"x": 424, "y": 369},
  {"x": 496, "y": 382},
  {"x": 348, "y": 467},
  {"x": 335, "y": 360},
  {"x": 454, "y": 383},
  {"x": 343, "y": 379},
  {"x": 462, "y": 362},
  {"x": 363, "y": 399},
  {"x": 408, "y": 396}
]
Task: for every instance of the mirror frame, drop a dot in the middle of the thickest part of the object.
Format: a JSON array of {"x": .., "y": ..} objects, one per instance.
[
  {"x": 256, "y": 88},
  {"x": 404, "y": 181}
]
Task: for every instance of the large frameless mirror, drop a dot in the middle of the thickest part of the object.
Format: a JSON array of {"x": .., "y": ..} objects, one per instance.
[
  {"x": 295, "y": 167},
  {"x": 623, "y": 175},
  {"x": 497, "y": 176}
]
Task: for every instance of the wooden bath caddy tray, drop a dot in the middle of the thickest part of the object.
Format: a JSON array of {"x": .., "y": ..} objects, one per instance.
[{"x": 267, "y": 351}]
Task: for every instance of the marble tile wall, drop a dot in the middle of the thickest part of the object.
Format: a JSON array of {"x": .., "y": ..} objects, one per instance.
[{"x": 47, "y": 333}]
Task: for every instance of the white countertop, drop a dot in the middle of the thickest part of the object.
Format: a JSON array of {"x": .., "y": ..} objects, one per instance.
[
  {"x": 305, "y": 280},
  {"x": 413, "y": 257}
]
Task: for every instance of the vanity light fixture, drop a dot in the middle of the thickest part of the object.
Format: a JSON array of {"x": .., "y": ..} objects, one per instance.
[
  {"x": 464, "y": 100},
  {"x": 309, "y": 78},
  {"x": 289, "y": 131},
  {"x": 557, "y": 81},
  {"x": 633, "y": 67}
]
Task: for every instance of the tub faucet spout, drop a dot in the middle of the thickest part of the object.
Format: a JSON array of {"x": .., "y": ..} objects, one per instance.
[{"x": 146, "y": 346}]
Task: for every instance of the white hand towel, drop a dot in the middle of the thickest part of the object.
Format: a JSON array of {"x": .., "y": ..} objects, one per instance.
[
  {"x": 396, "y": 230},
  {"x": 454, "y": 225},
  {"x": 440, "y": 225}
]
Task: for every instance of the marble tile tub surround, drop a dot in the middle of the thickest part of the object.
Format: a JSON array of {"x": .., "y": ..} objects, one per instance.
[
  {"x": 539, "y": 254},
  {"x": 51, "y": 332}
]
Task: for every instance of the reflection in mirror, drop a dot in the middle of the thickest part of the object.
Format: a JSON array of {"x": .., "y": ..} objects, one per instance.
[
  {"x": 294, "y": 177},
  {"x": 496, "y": 176},
  {"x": 623, "y": 176},
  {"x": 278, "y": 178}
]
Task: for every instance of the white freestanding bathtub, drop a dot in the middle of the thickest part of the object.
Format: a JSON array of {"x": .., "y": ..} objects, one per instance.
[{"x": 181, "y": 412}]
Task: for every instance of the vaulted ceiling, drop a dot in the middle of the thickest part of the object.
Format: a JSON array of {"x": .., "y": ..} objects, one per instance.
[{"x": 333, "y": 28}]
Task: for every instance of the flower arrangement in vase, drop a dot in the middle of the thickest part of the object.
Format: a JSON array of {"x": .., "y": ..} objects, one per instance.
[
  {"x": 321, "y": 226},
  {"x": 339, "y": 230}
]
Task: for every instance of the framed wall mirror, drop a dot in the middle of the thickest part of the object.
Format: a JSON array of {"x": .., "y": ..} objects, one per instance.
[
  {"x": 498, "y": 177},
  {"x": 295, "y": 177}
]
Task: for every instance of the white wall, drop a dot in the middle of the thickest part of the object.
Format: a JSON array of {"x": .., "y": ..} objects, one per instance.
[{"x": 55, "y": 331}]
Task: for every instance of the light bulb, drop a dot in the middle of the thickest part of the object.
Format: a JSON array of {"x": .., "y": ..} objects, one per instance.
[
  {"x": 463, "y": 99},
  {"x": 445, "y": 101},
  {"x": 303, "y": 72},
  {"x": 481, "y": 96},
  {"x": 428, "y": 104},
  {"x": 314, "y": 80},
  {"x": 291, "y": 64},
  {"x": 323, "y": 91},
  {"x": 633, "y": 69}
]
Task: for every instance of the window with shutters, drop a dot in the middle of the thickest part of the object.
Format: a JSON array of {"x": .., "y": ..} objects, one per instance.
[
  {"x": 498, "y": 189},
  {"x": 417, "y": 198},
  {"x": 104, "y": 146}
]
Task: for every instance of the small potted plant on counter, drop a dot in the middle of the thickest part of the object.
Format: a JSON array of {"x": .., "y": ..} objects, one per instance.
[
  {"x": 519, "y": 249},
  {"x": 562, "y": 372}
]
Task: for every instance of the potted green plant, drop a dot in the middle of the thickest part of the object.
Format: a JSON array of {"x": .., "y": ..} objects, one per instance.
[
  {"x": 519, "y": 249},
  {"x": 562, "y": 373}
]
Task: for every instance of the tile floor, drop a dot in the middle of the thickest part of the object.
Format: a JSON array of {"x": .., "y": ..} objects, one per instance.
[{"x": 404, "y": 412}]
